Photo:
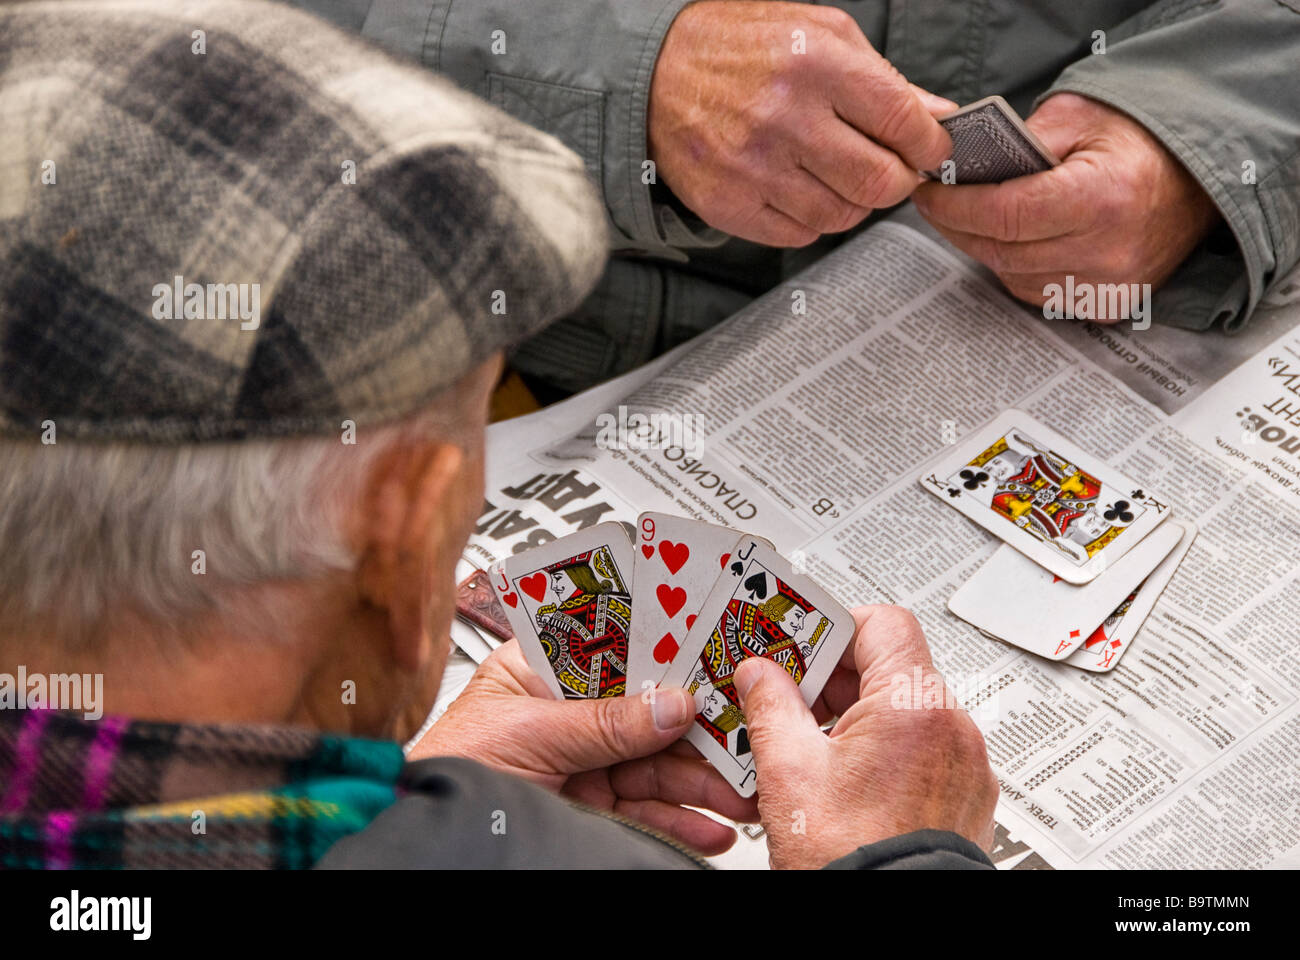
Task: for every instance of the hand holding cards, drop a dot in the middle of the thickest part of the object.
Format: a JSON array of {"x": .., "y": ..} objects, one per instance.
[
  {"x": 698, "y": 600},
  {"x": 1082, "y": 542}
]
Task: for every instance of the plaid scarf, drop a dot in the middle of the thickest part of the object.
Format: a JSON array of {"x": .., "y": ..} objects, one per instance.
[{"x": 119, "y": 793}]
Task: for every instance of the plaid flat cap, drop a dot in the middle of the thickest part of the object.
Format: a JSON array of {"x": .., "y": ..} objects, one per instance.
[{"x": 228, "y": 219}]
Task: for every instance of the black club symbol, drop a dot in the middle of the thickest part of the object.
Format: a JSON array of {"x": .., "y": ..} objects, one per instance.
[
  {"x": 972, "y": 480},
  {"x": 1119, "y": 510}
]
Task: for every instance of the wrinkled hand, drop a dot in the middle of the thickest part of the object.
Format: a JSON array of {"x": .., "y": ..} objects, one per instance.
[
  {"x": 609, "y": 754},
  {"x": 1119, "y": 208},
  {"x": 882, "y": 771},
  {"x": 777, "y": 146}
]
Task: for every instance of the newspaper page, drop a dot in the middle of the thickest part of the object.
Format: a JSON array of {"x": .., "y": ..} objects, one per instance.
[{"x": 807, "y": 419}]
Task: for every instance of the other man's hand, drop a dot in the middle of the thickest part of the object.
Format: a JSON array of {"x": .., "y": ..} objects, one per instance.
[
  {"x": 778, "y": 122},
  {"x": 882, "y": 771},
  {"x": 1119, "y": 209},
  {"x": 617, "y": 754}
]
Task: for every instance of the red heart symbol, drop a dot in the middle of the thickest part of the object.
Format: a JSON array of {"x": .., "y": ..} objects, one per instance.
[
  {"x": 648, "y": 550},
  {"x": 512, "y": 599},
  {"x": 674, "y": 554},
  {"x": 534, "y": 586},
  {"x": 665, "y": 649},
  {"x": 690, "y": 621},
  {"x": 722, "y": 560},
  {"x": 672, "y": 599}
]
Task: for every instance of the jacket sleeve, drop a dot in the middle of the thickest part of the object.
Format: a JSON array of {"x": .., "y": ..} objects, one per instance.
[
  {"x": 578, "y": 69},
  {"x": 455, "y": 814},
  {"x": 919, "y": 850},
  {"x": 1218, "y": 83}
]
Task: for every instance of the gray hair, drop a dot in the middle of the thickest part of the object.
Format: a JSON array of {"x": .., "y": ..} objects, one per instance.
[{"x": 89, "y": 529}]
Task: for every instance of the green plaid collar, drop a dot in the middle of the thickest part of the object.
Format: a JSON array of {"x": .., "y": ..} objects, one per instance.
[{"x": 116, "y": 792}]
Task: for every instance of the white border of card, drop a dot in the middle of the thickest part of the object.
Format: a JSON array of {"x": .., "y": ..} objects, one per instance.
[
  {"x": 836, "y": 635},
  {"x": 506, "y": 576},
  {"x": 1036, "y": 451},
  {"x": 1015, "y": 600},
  {"x": 1101, "y": 651}
]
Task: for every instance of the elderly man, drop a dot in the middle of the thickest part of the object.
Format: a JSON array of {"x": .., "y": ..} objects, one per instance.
[
  {"x": 724, "y": 130},
  {"x": 246, "y": 523}
]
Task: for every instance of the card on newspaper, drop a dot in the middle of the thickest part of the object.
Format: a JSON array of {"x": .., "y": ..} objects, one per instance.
[
  {"x": 570, "y": 605},
  {"x": 1059, "y": 506},
  {"x": 759, "y": 607},
  {"x": 1102, "y": 650},
  {"x": 1017, "y": 601}
]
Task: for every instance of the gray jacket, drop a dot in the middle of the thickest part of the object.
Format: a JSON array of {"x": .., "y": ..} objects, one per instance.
[
  {"x": 458, "y": 814},
  {"x": 1216, "y": 81}
]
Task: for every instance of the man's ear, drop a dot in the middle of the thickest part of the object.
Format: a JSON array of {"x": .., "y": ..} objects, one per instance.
[{"x": 409, "y": 519}]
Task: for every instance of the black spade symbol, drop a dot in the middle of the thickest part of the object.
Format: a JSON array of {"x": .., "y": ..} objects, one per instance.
[
  {"x": 742, "y": 741},
  {"x": 973, "y": 480},
  {"x": 1119, "y": 510},
  {"x": 757, "y": 586},
  {"x": 737, "y": 568}
]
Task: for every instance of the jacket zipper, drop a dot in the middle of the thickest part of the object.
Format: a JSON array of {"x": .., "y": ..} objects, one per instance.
[{"x": 649, "y": 832}]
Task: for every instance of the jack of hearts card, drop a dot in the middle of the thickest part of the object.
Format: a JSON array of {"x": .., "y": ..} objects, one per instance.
[{"x": 570, "y": 604}]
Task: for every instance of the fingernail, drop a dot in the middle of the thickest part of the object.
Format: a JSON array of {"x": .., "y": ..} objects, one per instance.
[
  {"x": 745, "y": 675},
  {"x": 672, "y": 708}
]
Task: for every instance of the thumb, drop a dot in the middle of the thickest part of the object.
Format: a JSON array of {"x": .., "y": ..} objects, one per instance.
[
  {"x": 934, "y": 104},
  {"x": 1061, "y": 122},
  {"x": 592, "y": 734},
  {"x": 781, "y": 727}
]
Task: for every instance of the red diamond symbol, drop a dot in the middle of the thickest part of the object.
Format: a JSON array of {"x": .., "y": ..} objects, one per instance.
[{"x": 1073, "y": 634}]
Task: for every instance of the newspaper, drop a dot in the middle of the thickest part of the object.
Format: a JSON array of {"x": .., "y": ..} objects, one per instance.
[{"x": 811, "y": 429}]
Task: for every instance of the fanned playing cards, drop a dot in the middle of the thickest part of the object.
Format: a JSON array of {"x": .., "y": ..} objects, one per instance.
[{"x": 597, "y": 615}]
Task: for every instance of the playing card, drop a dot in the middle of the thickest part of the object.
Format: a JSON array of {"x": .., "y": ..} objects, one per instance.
[
  {"x": 477, "y": 603},
  {"x": 990, "y": 144},
  {"x": 569, "y": 603},
  {"x": 759, "y": 607},
  {"x": 1105, "y": 645},
  {"x": 1014, "y": 599},
  {"x": 1032, "y": 488},
  {"x": 675, "y": 565},
  {"x": 470, "y": 640}
]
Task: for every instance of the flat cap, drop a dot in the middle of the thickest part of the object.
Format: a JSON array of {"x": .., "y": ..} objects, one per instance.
[{"x": 228, "y": 219}]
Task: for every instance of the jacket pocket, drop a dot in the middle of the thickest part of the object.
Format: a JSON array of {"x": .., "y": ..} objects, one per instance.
[{"x": 572, "y": 115}]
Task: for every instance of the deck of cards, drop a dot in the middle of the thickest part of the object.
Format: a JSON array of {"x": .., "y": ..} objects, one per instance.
[
  {"x": 600, "y": 616},
  {"x": 1087, "y": 551},
  {"x": 990, "y": 144}
]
